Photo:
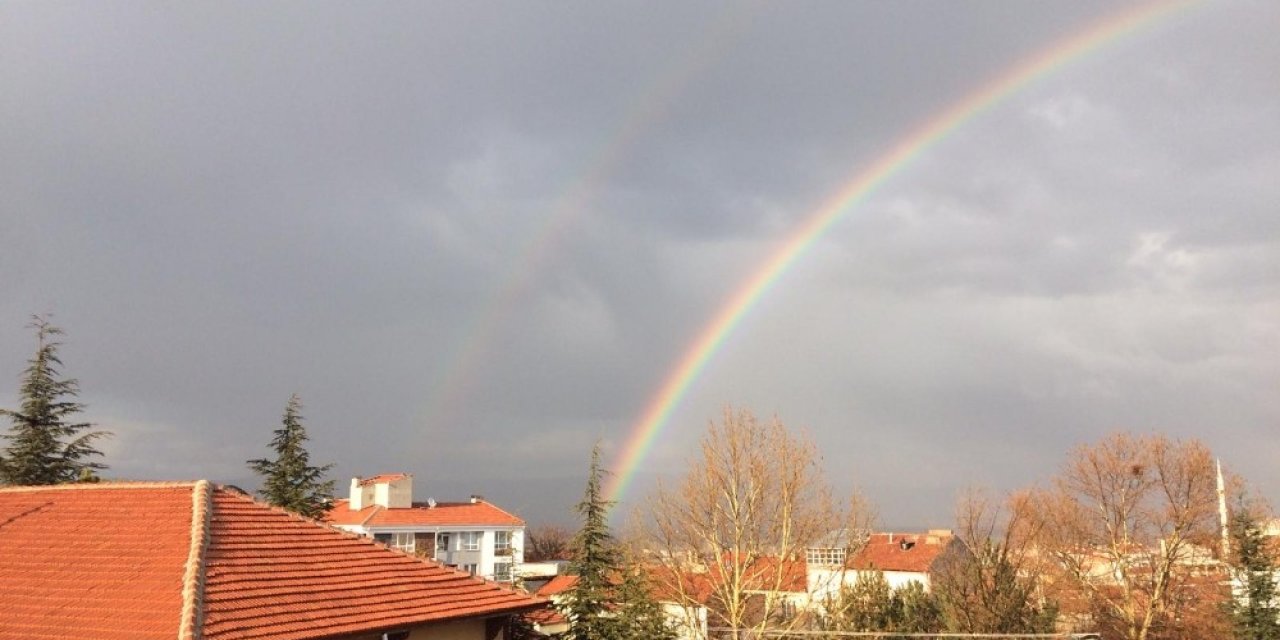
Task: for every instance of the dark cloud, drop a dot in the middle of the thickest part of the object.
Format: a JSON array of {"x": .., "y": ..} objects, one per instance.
[{"x": 475, "y": 237}]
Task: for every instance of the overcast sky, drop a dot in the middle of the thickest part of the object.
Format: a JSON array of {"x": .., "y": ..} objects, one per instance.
[{"x": 476, "y": 237}]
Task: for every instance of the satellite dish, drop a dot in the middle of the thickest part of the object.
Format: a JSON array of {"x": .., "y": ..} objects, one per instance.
[{"x": 431, "y": 503}]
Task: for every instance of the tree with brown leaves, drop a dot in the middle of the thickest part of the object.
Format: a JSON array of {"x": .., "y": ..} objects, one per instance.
[
  {"x": 1131, "y": 524},
  {"x": 992, "y": 588},
  {"x": 547, "y": 542},
  {"x": 732, "y": 534}
]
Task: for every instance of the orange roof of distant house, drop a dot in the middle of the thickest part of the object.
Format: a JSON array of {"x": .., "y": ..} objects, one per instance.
[
  {"x": 671, "y": 586},
  {"x": 770, "y": 573},
  {"x": 444, "y": 514},
  {"x": 887, "y": 552},
  {"x": 190, "y": 560},
  {"x": 557, "y": 585},
  {"x": 383, "y": 478},
  {"x": 546, "y": 617}
]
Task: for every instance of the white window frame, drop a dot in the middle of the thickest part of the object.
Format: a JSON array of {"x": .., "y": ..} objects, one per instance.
[
  {"x": 826, "y": 556},
  {"x": 442, "y": 541},
  {"x": 470, "y": 540},
  {"x": 502, "y": 571},
  {"x": 404, "y": 541},
  {"x": 501, "y": 541}
]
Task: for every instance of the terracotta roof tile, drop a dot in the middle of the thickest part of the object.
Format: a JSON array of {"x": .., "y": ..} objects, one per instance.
[
  {"x": 558, "y": 585},
  {"x": 65, "y": 574},
  {"x": 143, "y": 560},
  {"x": 886, "y": 552},
  {"x": 444, "y": 514},
  {"x": 383, "y": 477},
  {"x": 546, "y": 617}
]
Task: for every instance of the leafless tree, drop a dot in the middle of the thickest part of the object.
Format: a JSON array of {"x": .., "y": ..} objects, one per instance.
[
  {"x": 1131, "y": 523},
  {"x": 547, "y": 542},
  {"x": 733, "y": 533},
  {"x": 993, "y": 587}
]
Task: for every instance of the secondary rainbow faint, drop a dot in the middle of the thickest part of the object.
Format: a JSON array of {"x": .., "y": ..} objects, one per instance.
[
  {"x": 677, "y": 383},
  {"x": 466, "y": 361}
]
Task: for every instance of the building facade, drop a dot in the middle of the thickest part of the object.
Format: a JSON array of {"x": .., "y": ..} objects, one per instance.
[{"x": 473, "y": 536}]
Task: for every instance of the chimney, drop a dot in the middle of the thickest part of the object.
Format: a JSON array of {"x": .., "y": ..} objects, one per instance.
[
  {"x": 356, "y": 497},
  {"x": 475, "y": 497}
]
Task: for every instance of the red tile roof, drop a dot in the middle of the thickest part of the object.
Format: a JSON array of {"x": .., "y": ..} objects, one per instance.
[
  {"x": 546, "y": 617},
  {"x": 444, "y": 514},
  {"x": 64, "y": 574},
  {"x": 885, "y": 552},
  {"x": 770, "y": 573},
  {"x": 383, "y": 477},
  {"x": 680, "y": 587},
  {"x": 557, "y": 585},
  {"x": 186, "y": 560}
]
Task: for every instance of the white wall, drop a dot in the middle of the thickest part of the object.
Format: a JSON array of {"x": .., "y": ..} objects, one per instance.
[
  {"x": 457, "y": 630},
  {"x": 472, "y": 629}
]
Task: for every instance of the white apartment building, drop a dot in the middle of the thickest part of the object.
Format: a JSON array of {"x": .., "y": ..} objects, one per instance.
[{"x": 474, "y": 536}]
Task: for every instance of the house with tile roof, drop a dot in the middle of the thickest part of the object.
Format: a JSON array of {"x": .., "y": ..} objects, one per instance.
[
  {"x": 196, "y": 561},
  {"x": 475, "y": 536},
  {"x": 901, "y": 558},
  {"x": 688, "y": 620}
]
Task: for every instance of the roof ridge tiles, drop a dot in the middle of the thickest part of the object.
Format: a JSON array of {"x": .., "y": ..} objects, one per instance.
[
  {"x": 130, "y": 484},
  {"x": 194, "y": 572}
]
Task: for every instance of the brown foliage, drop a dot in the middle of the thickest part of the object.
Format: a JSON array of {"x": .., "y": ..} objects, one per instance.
[
  {"x": 753, "y": 496},
  {"x": 1131, "y": 525},
  {"x": 993, "y": 587},
  {"x": 547, "y": 542}
]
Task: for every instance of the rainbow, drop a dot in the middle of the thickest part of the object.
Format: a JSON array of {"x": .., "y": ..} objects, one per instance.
[
  {"x": 459, "y": 378},
  {"x": 708, "y": 342}
]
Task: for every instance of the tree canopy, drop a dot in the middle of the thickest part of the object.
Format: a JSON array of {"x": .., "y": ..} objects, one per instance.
[
  {"x": 1254, "y": 611},
  {"x": 290, "y": 480},
  {"x": 47, "y": 445}
]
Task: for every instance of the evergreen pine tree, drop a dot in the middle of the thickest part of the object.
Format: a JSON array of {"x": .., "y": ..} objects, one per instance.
[
  {"x": 289, "y": 481},
  {"x": 45, "y": 445},
  {"x": 612, "y": 600},
  {"x": 919, "y": 610},
  {"x": 640, "y": 616},
  {"x": 1254, "y": 608},
  {"x": 595, "y": 562},
  {"x": 866, "y": 605}
]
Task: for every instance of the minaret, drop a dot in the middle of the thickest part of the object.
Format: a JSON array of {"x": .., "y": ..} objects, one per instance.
[{"x": 1222, "y": 513}]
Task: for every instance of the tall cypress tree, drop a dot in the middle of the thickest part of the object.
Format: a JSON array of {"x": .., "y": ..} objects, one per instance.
[
  {"x": 595, "y": 561},
  {"x": 639, "y": 615},
  {"x": 1254, "y": 609},
  {"x": 46, "y": 445},
  {"x": 290, "y": 481}
]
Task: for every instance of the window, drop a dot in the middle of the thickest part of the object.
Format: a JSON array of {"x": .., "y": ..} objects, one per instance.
[
  {"x": 502, "y": 571},
  {"x": 470, "y": 540},
  {"x": 403, "y": 541},
  {"x": 442, "y": 541},
  {"x": 470, "y": 568},
  {"x": 831, "y": 556},
  {"x": 502, "y": 541},
  {"x": 384, "y": 538}
]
